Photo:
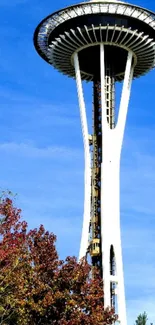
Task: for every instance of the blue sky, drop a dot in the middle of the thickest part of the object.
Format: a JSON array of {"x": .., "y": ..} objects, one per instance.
[{"x": 41, "y": 150}]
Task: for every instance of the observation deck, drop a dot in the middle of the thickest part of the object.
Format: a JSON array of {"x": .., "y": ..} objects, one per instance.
[{"x": 80, "y": 28}]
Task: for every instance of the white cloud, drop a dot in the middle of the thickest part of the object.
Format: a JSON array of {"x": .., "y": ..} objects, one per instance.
[{"x": 35, "y": 152}]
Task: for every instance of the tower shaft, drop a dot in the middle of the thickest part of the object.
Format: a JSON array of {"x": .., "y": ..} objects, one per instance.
[{"x": 101, "y": 223}]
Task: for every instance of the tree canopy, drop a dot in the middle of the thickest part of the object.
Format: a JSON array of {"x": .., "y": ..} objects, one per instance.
[{"x": 36, "y": 287}]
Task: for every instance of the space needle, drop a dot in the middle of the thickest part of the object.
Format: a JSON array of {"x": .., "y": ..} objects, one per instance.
[{"x": 103, "y": 42}]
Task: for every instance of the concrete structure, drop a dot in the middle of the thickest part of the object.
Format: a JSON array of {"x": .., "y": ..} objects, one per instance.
[{"x": 103, "y": 42}]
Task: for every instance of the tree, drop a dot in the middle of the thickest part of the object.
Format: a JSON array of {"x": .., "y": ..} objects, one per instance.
[
  {"x": 12, "y": 234},
  {"x": 38, "y": 288},
  {"x": 142, "y": 319}
]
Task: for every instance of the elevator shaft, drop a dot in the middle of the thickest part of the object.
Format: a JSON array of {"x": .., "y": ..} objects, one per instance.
[{"x": 96, "y": 151}]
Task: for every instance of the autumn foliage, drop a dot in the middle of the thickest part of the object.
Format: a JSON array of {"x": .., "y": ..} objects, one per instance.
[{"x": 38, "y": 288}]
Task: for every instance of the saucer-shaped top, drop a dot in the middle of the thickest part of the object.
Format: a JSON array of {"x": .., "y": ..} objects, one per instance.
[{"x": 122, "y": 27}]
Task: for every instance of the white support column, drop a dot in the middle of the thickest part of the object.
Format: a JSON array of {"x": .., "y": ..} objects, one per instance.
[
  {"x": 87, "y": 173},
  {"x": 110, "y": 188},
  {"x": 126, "y": 90}
]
